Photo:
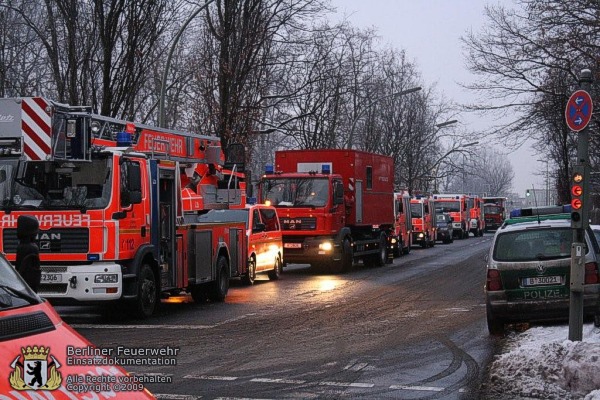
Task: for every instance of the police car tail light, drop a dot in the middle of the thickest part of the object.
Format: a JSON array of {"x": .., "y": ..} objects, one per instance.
[
  {"x": 591, "y": 273},
  {"x": 494, "y": 282}
]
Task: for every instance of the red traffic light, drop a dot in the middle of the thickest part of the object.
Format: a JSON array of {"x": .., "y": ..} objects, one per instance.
[
  {"x": 576, "y": 190},
  {"x": 576, "y": 204}
]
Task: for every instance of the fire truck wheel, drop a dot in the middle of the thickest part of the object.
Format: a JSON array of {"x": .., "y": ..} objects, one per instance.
[
  {"x": 249, "y": 278},
  {"x": 276, "y": 272},
  {"x": 198, "y": 293},
  {"x": 347, "y": 256},
  {"x": 379, "y": 259},
  {"x": 147, "y": 293},
  {"x": 220, "y": 287}
]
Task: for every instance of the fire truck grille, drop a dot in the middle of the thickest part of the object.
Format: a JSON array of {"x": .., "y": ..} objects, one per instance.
[
  {"x": 52, "y": 241},
  {"x": 299, "y": 224},
  {"x": 53, "y": 288},
  {"x": 24, "y": 325}
]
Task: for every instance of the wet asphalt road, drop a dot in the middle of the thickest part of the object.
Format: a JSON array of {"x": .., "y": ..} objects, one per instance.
[{"x": 414, "y": 329}]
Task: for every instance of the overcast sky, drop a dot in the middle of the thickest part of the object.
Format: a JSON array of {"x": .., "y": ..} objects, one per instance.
[{"x": 429, "y": 31}]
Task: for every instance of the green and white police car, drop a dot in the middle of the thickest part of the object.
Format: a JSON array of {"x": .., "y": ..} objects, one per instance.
[{"x": 528, "y": 272}]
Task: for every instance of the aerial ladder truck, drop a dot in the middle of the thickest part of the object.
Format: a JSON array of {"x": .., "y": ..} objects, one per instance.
[{"x": 118, "y": 206}]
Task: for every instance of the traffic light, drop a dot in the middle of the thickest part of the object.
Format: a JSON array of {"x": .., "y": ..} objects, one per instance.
[
  {"x": 577, "y": 194},
  {"x": 527, "y": 194}
]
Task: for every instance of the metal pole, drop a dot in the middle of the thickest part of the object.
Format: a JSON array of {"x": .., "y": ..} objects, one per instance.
[
  {"x": 163, "y": 84},
  {"x": 547, "y": 185},
  {"x": 577, "y": 251}
]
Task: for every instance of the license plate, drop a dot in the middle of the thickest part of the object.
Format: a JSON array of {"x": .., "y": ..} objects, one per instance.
[
  {"x": 51, "y": 278},
  {"x": 542, "y": 280},
  {"x": 292, "y": 245}
]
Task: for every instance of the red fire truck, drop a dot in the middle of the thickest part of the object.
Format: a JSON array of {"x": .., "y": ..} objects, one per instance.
[
  {"x": 495, "y": 212},
  {"x": 402, "y": 239},
  {"x": 335, "y": 206},
  {"x": 477, "y": 219},
  {"x": 457, "y": 206},
  {"x": 117, "y": 204},
  {"x": 422, "y": 213}
]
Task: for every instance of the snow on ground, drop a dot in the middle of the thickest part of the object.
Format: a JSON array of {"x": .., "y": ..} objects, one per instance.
[{"x": 541, "y": 363}]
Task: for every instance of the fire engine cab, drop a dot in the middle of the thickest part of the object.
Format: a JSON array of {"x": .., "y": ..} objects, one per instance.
[{"x": 117, "y": 204}]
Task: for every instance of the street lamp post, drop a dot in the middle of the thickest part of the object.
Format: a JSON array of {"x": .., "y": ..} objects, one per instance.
[
  {"x": 465, "y": 162},
  {"x": 163, "y": 84},
  {"x": 547, "y": 181},
  {"x": 437, "y": 163},
  {"x": 368, "y": 106}
]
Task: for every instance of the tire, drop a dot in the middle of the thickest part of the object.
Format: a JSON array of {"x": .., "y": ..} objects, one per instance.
[
  {"x": 199, "y": 294},
  {"x": 275, "y": 273},
  {"x": 379, "y": 259},
  {"x": 250, "y": 276},
  {"x": 495, "y": 326},
  {"x": 219, "y": 288},
  {"x": 347, "y": 256},
  {"x": 147, "y": 294}
]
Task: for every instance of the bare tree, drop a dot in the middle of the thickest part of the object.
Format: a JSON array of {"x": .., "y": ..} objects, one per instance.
[{"x": 529, "y": 59}]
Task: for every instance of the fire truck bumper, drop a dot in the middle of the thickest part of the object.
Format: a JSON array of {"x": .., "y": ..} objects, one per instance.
[
  {"x": 96, "y": 282},
  {"x": 310, "y": 250}
]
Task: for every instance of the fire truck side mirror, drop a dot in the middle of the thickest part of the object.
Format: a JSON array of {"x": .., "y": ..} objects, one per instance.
[
  {"x": 338, "y": 193},
  {"x": 131, "y": 192}
]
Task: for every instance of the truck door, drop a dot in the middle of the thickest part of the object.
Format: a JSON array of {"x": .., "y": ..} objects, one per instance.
[{"x": 167, "y": 217}]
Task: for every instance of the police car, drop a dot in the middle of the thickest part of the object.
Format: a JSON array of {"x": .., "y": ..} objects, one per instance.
[{"x": 528, "y": 272}]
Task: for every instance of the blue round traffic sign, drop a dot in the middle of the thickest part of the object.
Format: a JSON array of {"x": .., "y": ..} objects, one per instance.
[{"x": 579, "y": 110}]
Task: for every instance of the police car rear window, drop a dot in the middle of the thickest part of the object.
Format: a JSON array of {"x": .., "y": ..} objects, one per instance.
[{"x": 534, "y": 244}]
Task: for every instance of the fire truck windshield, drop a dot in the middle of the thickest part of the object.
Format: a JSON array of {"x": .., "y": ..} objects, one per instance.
[
  {"x": 492, "y": 209},
  {"x": 296, "y": 192},
  {"x": 55, "y": 185},
  {"x": 447, "y": 206},
  {"x": 416, "y": 210}
]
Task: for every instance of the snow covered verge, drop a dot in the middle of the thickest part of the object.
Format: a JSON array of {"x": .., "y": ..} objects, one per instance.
[{"x": 541, "y": 363}]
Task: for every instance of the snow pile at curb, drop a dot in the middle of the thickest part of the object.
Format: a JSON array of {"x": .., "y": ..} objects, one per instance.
[{"x": 541, "y": 363}]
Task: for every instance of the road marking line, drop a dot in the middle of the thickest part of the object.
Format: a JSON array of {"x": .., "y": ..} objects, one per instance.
[
  {"x": 176, "y": 396},
  {"x": 211, "y": 377},
  {"x": 239, "y": 398},
  {"x": 149, "y": 374},
  {"x": 355, "y": 367},
  {"x": 185, "y": 327},
  {"x": 277, "y": 380},
  {"x": 419, "y": 388},
  {"x": 348, "y": 384}
]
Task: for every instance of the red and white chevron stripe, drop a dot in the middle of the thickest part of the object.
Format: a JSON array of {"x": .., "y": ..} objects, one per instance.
[
  {"x": 36, "y": 124},
  {"x": 351, "y": 184}
]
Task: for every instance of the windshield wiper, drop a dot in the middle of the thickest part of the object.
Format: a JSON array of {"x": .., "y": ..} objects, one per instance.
[{"x": 21, "y": 295}]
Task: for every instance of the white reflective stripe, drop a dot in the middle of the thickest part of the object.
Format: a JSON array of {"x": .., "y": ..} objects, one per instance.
[{"x": 39, "y": 132}]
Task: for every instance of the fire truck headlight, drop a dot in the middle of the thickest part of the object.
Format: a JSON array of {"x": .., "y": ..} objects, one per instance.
[
  {"x": 421, "y": 235},
  {"x": 394, "y": 241},
  {"x": 326, "y": 246},
  {"x": 106, "y": 278}
]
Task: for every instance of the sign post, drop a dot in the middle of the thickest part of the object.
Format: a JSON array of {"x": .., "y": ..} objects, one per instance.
[{"x": 578, "y": 114}]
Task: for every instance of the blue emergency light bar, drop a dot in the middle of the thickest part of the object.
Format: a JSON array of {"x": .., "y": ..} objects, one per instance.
[
  {"x": 269, "y": 169},
  {"x": 325, "y": 169}
]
